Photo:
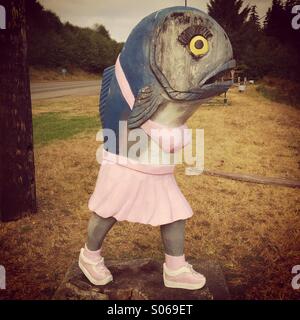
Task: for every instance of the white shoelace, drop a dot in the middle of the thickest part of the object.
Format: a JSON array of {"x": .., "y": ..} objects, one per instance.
[
  {"x": 100, "y": 264},
  {"x": 191, "y": 268}
]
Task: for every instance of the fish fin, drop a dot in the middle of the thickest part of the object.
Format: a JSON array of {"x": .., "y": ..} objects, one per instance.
[
  {"x": 148, "y": 100},
  {"x": 106, "y": 80}
]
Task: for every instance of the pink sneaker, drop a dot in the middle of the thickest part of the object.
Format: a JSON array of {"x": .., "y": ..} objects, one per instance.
[
  {"x": 95, "y": 271},
  {"x": 184, "y": 278}
]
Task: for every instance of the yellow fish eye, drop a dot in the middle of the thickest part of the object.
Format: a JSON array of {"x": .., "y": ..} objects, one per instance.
[{"x": 199, "y": 46}]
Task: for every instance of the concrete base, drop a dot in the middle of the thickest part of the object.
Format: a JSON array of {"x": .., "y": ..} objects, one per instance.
[{"x": 141, "y": 280}]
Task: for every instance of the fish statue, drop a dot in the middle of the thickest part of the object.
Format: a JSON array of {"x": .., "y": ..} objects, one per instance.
[{"x": 174, "y": 60}]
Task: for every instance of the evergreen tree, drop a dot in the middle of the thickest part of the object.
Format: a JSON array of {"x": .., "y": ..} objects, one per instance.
[
  {"x": 254, "y": 18},
  {"x": 290, "y": 4},
  {"x": 274, "y": 51},
  {"x": 285, "y": 40},
  {"x": 230, "y": 14},
  {"x": 293, "y": 36},
  {"x": 276, "y": 20}
]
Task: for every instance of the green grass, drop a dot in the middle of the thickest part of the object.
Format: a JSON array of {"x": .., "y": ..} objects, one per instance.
[{"x": 53, "y": 126}]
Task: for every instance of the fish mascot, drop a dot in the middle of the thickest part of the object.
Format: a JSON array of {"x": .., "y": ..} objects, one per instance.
[{"x": 173, "y": 60}]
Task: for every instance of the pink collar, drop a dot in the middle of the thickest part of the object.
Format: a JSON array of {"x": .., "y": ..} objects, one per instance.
[{"x": 123, "y": 84}]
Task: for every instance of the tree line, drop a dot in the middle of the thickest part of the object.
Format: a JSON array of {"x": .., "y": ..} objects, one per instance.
[
  {"x": 268, "y": 46},
  {"x": 53, "y": 44}
]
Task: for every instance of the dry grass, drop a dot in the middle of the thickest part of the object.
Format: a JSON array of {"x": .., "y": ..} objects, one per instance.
[
  {"x": 252, "y": 230},
  {"x": 76, "y": 106},
  {"x": 252, "y": 135}
]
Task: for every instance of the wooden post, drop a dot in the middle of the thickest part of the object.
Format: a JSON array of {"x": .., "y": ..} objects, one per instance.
[
  {"x": 232, "y": 75},
  {"x": 225, "y": 98},
  {"x": 17, "y": 175}
]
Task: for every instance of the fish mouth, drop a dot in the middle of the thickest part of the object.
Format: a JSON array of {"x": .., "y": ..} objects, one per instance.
[
  {"x": 215, "y": 83},
  {"x": 221, "y": 75}
]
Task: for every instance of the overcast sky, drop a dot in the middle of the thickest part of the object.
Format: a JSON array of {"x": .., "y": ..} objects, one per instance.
[{"x": 120, "y": 16}]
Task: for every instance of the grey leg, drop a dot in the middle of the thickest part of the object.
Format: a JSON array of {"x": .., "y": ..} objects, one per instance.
[
  {"x": 98, "y": 227},
  {"x": 173, "y": 237}
]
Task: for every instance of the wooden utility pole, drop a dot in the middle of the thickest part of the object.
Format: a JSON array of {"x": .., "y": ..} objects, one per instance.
[{"x": 17, "y": 175}]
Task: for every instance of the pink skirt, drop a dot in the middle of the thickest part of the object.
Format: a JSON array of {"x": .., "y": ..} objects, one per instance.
[{"x": 136, "y": 192}]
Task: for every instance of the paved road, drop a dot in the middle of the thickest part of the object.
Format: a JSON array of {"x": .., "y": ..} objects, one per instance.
[{"x": 56, "y": 89}]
